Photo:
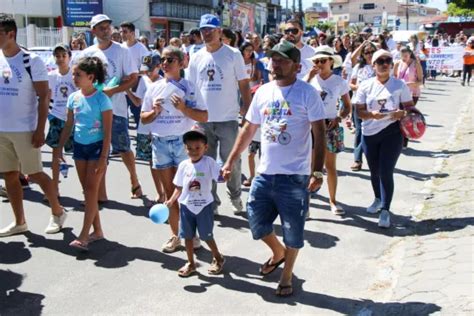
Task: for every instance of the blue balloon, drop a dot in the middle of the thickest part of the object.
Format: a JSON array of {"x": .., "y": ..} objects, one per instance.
[{"x": 159, "y": 213}]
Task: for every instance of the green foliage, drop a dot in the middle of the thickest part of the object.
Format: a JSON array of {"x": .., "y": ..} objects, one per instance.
[
  {"x": 324, "y": 26},
  {"x": 460, "y": 8}
]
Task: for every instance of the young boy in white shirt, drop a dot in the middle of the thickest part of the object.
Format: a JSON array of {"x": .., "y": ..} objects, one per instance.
[{"x": 193, "y": 181}]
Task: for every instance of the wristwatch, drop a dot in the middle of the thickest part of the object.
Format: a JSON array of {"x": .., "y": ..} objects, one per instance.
[{"x": 318, "y": 174}]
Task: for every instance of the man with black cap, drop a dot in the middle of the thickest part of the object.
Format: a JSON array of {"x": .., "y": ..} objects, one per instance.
[
  {"x": 219, "y": 72},
  {"x": 287, "y": 109}
]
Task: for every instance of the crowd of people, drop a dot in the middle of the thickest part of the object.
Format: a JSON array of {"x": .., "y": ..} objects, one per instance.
[{"x": 205, "y": 97}]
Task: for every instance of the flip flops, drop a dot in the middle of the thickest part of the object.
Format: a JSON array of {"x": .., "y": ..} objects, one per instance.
[
  {"x": 267, "y": 265},
  {"x": 94, "y": 238},
  {"x": 216, "y": 266},
  {"x": 79, "y": 245},
  {"x": 284, "y": 290}
]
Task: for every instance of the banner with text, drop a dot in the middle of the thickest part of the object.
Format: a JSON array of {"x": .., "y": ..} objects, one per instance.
[{"x": 445, "y": 58}]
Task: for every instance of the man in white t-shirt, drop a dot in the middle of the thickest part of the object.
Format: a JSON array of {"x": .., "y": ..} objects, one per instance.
[
  {"x": 120, "y": 66},
  {"x": 293, "y": 33},
  {"x": 219, "y": 72},
  {"x": 195, "y": 39},
  {"x": 287, "y": 109},
  {"x": 22, "y": 126},
  {"x": 137, "y": 51}
]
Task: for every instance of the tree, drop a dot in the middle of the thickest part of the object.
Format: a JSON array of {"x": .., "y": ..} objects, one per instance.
[{"x": 460, "y": 8}]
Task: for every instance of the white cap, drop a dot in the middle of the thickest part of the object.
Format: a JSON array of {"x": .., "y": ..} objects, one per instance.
[
  {"x": 381, "y": 53},
  {"x": 99, "y": 18}
]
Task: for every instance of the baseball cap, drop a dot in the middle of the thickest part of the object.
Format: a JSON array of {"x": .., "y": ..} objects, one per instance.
[
  {"x": 149, "y": 62},
  {"x": 63, "y": 47},
  {"x": 209, "y": 20},
  {"x": 286, "y": 50},
  {"x": 99, "y": 18},
  {"x": 196, "y": 133},
  {"x": 381, "y": 53}
]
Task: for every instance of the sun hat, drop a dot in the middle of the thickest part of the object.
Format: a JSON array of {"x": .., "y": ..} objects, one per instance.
[{"x": 327, "y": 52}]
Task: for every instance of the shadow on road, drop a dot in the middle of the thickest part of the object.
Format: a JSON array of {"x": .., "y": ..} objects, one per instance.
[
  {"x": 315, "y": 239},
  {"x": 433, "y": 154},
  {"x": 15, "y": 302},
  {"x": 240, "y": 268},
  {"x": 13, "y": 252}
]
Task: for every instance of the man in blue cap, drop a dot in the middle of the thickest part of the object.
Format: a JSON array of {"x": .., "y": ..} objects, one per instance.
[{"x": 219, "y": 72}]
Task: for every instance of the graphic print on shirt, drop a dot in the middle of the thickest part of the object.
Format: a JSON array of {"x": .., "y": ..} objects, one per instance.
[
  {"x": 276, "y": 122},
  {"x": 212, "y": 76},
  {"x": 323, "y": 95},
  {"x": 194, "y": 188},
  {"x": 383, "y": 104},
  {"x": 7, "y": 74}
]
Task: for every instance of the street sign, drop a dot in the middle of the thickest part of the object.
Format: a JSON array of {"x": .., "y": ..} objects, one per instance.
[
  {"x": 377, "y": 21},
  {"x": 79, "y": 12}
]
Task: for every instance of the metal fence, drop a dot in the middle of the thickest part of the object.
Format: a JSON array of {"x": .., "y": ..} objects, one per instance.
[{"x": 39, "y": 36}]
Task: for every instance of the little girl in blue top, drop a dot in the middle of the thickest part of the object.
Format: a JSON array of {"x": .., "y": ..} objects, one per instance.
[{"x": 90, "y": 113}]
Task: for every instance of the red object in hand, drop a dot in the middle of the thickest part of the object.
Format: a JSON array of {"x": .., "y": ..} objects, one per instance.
[{"x": 413, "y": 126}]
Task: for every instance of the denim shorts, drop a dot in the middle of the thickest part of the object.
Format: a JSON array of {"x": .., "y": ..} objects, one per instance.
[
  {"x": 189, "y": 222},
  {"x": 56, "y": 127},
  {"x": 284, "y": 195},
  {"x": 120, "y": 137},
  {"x": 87, "y": 152},
  {"x": 167, "y": 151},
  {"x": 143, "y": 149}
]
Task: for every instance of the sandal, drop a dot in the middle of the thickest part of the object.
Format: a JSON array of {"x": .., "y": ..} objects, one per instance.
[
  {"x": 356, "y": 166},
  {"x": 135, "y": 190},
  {"x": 216, "y": 266},
  {"x": 187, "y": 270},
  {"x": 79, "y": 245},
  {"x": 267, "y": 265},
  {"x": 94, "y": 238},
  {"x": 284, "y": 290}
]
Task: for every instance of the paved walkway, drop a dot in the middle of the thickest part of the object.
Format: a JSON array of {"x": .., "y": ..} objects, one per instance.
[{"x": 438, "y": 260}]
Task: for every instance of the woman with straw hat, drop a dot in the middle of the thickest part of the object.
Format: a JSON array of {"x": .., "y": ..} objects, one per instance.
[{"x": 331, "y": 88}]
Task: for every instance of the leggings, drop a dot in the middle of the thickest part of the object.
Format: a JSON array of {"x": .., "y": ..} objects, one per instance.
[
  {"x": 357, "y": 136},
  {"x": 382, "y": 151},
  {"x": 467, "y": 70}
]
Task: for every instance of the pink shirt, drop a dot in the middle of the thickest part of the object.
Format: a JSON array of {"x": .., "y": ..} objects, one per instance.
[{"x": 408, "y": 74}]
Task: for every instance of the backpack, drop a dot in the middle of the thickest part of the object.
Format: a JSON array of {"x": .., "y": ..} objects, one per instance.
[{"x": 26, "y": 61}]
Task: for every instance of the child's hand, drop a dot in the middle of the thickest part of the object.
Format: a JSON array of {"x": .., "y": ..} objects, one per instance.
[
  {"x": 178, "y": 102},
  {"x": 226, "y": 171},
  {"x": 58, "y": 156},
  {"x": 168, "y": 203},
  {"x": 109, "y": 91},
  {"x": 157, "y": 108}
]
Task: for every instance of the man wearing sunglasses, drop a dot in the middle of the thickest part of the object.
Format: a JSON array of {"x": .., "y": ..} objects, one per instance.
[
  {"x": 293, "y": 32},
  {"x": 219, "y": 72}
]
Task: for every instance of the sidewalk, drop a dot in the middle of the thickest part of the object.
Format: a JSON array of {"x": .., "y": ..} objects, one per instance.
[{"x": 438, "y": 260}]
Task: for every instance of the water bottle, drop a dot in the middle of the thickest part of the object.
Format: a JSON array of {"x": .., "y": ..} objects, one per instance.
[{"x": 64, "y": 168}]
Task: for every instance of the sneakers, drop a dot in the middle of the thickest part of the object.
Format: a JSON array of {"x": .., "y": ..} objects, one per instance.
[
  {"x": 196, "y": 243},
  {"x": 336, "y": 209},
  {"x": 56, "y": 223},
  {"x": 237, "y": 206},
  {"x": 13, "y": 229},
  {"x": 374, "y": 208},
  {"x": 171, "y": 245},
  {"x": 384, "y": 219},
  {"x": 3, "y": 191}
]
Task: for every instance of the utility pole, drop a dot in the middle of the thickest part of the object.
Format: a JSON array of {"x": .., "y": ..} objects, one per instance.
[{"x": 407, "y": 14}]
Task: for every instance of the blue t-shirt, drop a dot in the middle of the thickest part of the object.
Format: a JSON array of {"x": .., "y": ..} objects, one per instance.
[{"x": 88, "y": 128}]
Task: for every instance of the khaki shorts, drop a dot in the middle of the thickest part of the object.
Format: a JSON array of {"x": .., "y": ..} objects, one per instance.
[{"x": 18, "y": 154}]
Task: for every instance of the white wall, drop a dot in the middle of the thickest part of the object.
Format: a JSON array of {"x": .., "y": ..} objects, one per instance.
[
  {"x": 38, "y": 8},
  {"x": 135, "y": 11}
]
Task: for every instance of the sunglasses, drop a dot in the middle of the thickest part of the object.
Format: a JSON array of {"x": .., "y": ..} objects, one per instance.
[
  {"x": 369, "y": 52},
  {"x": 321, "y": 61},
  {"x": 382, "y": 61},
  {"x": 293, "y": 31},
  {"x": 169, "y": 60}
]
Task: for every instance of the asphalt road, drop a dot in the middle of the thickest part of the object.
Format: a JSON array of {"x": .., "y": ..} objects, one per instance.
[{"x": 341, "y": 269}]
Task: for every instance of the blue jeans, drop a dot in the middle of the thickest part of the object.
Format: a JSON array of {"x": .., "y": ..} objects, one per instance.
[
  {"x": 281, "y": 195},
  {"x": 135, "y": 110},
  {"x": 358, "y": 136},
  {"x": 382, "y": 151},
  {"x": 167, "y": 151},
  {"x": 222, "y": 136}
]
